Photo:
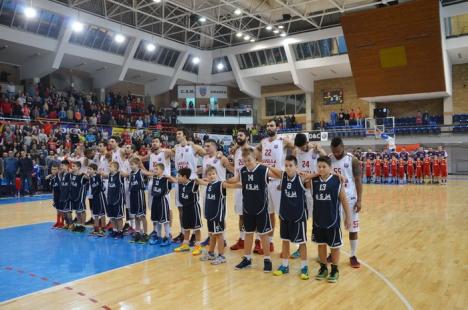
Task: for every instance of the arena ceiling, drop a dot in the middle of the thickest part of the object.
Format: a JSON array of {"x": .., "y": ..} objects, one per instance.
[{"x": 211, "y": 24}]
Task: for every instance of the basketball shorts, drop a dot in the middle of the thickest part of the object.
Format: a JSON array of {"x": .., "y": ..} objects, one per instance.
[
  {"x": 160, "y": 212},
  {"x": 295, "y": 232},
  {"x": 150, "y": 195},
  {"x": 78, "y": 206},
  {"x": 115, "y": 211},
  {"x": 98, "y": 205},
  {"x": 274, "y": 196},
  {"x": 137, "y": 203},
  {"x": 354, "y": 215},
  {"x": 191, "y": 217},
  {"x": 238, "y": 208},
  {"x": 259, "y": 223},
  {"x": 64, "y": 206},
  {"x": 328, "y": 236},
  {"x": 215, "y": 226}
]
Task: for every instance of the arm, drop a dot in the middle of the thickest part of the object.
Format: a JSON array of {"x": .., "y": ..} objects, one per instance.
[
  {"x": 232, "y": 185},
  {"x": 358, "y": 181},
  {"x": 288, "y": 144},
  {"x": 171, "y": 178},
  {"x": 344, "y": 202},
  {"x": 198, "y": 150},
  {"x": 235, "y": 179},
  {"x": 275, "y": 173},
  {"x": 306, "y": 177},
  {"x": 227, "y": 164}
]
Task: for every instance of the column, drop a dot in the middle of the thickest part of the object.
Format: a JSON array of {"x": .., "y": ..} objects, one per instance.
[
  {"x": 448, "y": 110},
  {"x": 309, "y": 119}
]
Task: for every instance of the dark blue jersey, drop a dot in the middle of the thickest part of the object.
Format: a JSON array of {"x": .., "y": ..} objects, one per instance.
[
  {"x": 395, "y": 154},
  {"x": 215, "y": 201},
  {"x": 254, "y": 189},
  {"x": 404, "y": 155},
  {"x": 137, "y": 183},
  {"x": 420, "y": 155},
  {"x": 97, "y": 187},
  {"x": 77, "y": 187},
  {"x": 326, "y": 193},
  {"x": 370, "y": 155},
  {"x": 386, "y": 155},
  {"x": 293, "y": 201},
  {"x": 160, "y": 187},
  {"x": 55, "y": 184},
  {"x": 65, "y": 187},
  {"x": 115, "y": 189},
  {"x": 188, "y": 193}
]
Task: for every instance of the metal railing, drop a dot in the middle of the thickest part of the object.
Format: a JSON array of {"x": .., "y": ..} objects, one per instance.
[{"x": 198, "y": 112}]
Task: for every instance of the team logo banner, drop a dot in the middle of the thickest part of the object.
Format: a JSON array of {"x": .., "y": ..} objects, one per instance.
[{"x": 202, "y": 91}]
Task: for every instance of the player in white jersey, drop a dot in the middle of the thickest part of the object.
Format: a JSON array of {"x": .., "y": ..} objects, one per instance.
[
  {"x": 273, "y": 153},
  {"x": 185, "y": 155},
  {"x": 348, "y": 166}
]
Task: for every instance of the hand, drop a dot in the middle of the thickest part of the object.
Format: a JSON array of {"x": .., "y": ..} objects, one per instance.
[
  {"x": 357, "y": 206},
  {"x": 278, "y": 187},
  {"x": 219, "y": 155},
  {"x": 347, "y": 223}
]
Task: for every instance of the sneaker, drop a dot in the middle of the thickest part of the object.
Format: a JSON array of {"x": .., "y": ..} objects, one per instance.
[
  {"x": 333, "y": 277},
  {"x": 208, "y": 256},
  {"x": 238, "y": 245},
  {"x": 108, "y": 226},
  {"x": 135, "y": 238},
  {"x": 197, "y": 250},
  {"x": 60, "y": 226},
  {"x": 112, "y": 234},
  {"x": 281, "y": 270},
  {"x": 192, "y": 240},
  {"x": 329, "y": 259},
  {"x": 165, "y": 241},
  {"x": 295, "y": 255},
  {"x": 89, "y": 222},
  {"x": 93, "y": 233},
  {"x": 127, "y": 230},
  {"x": 143, "y": 239},
  {"x": 272, "y": 247},
  {"x": 220, "y": 259},
  {"x": 179, "y": 238},
  {"x": 258, "y": 247},
  {"x": 267, "y": 266},
  {"x": 206, "y": 242},
  {"x": 119, "y": 235},
  {"x": 354, "y": 262},
  {"x": 154, "y": 240},
  {"x": 304, "y": 273},
  {"x": 55, "y": 226},
  {"x": 183, "y": 248},
  {"x": 245, "y": 263},
  {"x": 101, "y": 233},
  {"x": 322, "y": 274}
]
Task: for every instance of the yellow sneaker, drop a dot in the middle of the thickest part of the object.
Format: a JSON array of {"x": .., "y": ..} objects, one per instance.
[
  {"x": 197, "y": 250},
  {"x": 183, "y": 248}
]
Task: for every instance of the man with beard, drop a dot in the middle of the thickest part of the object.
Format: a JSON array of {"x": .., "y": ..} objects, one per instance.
[
  {"x": 273, "y": 151},
  {"x": 348, "y": 166},
  {"x": 185, "y": 155}
]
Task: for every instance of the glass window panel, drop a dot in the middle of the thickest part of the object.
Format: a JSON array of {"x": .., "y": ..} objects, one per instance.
[
  {"x": 262, "y": 58},
  {"x": 240, "y": 61},
  {"x": 277, "y": 55},
  {"x": 290, "y": 104},
  {"x": 270, "y": 106},
  {"x": 334, "y": 47},
  {"x": 342, "y": 45},
  {"x": 283, "y": 54},
  {"x": 280, "y": 105},
  {"x": 269, "y": 56},
  {"x": 253, "y": 56},
  {"x": 248, "y": 61},
  {"x": 300, "y": 104}
]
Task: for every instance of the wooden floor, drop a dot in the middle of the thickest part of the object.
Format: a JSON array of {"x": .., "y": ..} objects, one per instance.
[{"x": 413, "y": 246}]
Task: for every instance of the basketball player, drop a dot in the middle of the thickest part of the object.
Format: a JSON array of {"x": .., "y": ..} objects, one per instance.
[
  {"x": 138, "y": 201},
  {"x": 348, "y": 166},
  {"x": 98, "y": 200},
  {"x": 273, "y": 151},
  {"x": 185, "y": 155},
  {"x": 115, "y": 208}
]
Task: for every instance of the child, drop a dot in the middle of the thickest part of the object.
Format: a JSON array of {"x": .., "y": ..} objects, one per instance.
[
  {"x": 410, "y": 170},
  {"x": 115, "y": 207},
  {"x": 188, "y": 198},
  {"x": 368, "y": 171},
  {"x": 386, "y": 171},
  {"x": 378, "y": 170},
  {"x": 419, "y": 171},
  {"x": 401, "y": 171},
  {"x": 78, "y": 184},
  {"x": 427, "y": 169},
  {"x": 394, "y": 165},
  {"x": 254, "y": 182},
  {"x": 98, "y": 201},
  {"x": 55, "y": 184},
  {"x": 443, "y": 170},
  {"x": 160, "y": 212},
  {"x": 215, "y": 212},
  {"x": 436, "y": 170},
  {"x": 293, "y": 216},
  {"x": 328, "y": 194},
  {"x": 64, "y": 200},
  {"x": 138, "y": 201}
]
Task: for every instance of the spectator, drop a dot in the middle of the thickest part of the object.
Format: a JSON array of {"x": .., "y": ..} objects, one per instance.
[
  {"x": 359, "y": 117},
  {"x": 346, "y": 118},
  {"x": 333, "y": 118},
  {"x": 419, "y": 119},
  {"x": 341, "y": 118},
  {"x": 26, "y": 169},
  {"x": 425, "y": 118},
  {"x": 11, "y": 168},
  {"x": 139, "y": 123},
  {"x": 352, "y": 116}
]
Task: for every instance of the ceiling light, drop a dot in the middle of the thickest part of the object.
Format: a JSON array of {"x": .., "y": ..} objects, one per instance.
[
  {"x": 269, "y": 27},
  {"x": 246, "y": 37},
  {"x": 220, "y": 66},
  {"x": 238, "y": 11},
  {"x": 195, "y": 60},
  {"x": 156, "y": 1},
  {"x": 283, "y": 34},
  {"x": 150, "y": 47},
  {"x": 119, "y": 38},
  {"x": 281, "y": 27},
  {"x": 252, "y": 40},
  {"x": 239, "y": 34},
  {"x": 202, "y": 19},
  {"x": 276, "y": 31},
  {"x": 77, "y": 26},
  {"x": 30, "y": 12}
]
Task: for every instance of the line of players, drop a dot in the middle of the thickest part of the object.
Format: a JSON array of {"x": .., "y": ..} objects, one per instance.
[
  {"x": 122, "y": 173},
  {"x": 420, "y": 167}
]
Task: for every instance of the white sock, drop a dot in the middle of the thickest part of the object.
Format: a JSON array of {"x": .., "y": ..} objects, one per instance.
[
  {"x": 267, "y": 257},
  {"x": 242, "y": 235},
  {"x": 285, "y": 262},
  {"x": 249, "y": 257},
  {"x": 303, "y": 263},
  {"x": 167, "y": 229},
  {"x": 257, "y": 237},
  {"x": 157, "y": 227},
  {"x": 270, "y": 239},
  {"x": 132, "y": 223},
  {"x": 353, "y": 244}
]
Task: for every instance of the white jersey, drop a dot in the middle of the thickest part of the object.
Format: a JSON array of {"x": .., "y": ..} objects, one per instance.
[
  {"x": 215, "y": 162},
  {"x": 185, "y": 158},
  {"x": 103, "y": 164},
  {"x": 160, "y": 158},
  {"x": 116, "y": 156},
  {"x": 273, "y": 153},
  {"x": 344, "y": 166},
  {"x": 307, "y": 161},
  {"x": 125, "y": 165}
]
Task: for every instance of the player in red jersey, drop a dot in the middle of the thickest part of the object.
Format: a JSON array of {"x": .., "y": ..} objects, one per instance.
[
  {"x": 443, "y": 170},
  {"x": 386, "y": 171},
  {"x": 419, "y": 172},
  {"x": 401, "y": 171},
  {"x": 378, "y": 170},
  {"x": 410, "y": 170},
  {"x": 427, "y": 169},
  {"x": 394, "y": 165},
  {"x": 368, "y": 171},
  {"x": 435, "y": 170}
]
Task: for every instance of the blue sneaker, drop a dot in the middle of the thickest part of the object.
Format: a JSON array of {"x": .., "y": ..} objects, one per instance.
[
  {"x": 206, "y": 242},
  {"x": 153, "y": 234},
  {"x": 281, "y": 270},
  {"x": 165, "y": 242},
  {"x": 295, "y": 255},
  {"x": 155, "y": 240}
]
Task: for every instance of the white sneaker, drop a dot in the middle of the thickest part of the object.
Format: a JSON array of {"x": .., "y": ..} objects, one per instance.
[
  {"x": 207, "y": 256},
  {"x": 220, "y": 259}
]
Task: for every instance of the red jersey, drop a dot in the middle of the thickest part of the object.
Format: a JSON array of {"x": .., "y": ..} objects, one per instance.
[
  {"x": 443, "y": 168},
  {"x": 394, "y": 168},
  {"x": 418, "y": 169},
  {"x": 385, "y": 169},
  {"x": 436, "y": 168},
  {"x": 427, "y": 167},
  {"x": 368, "y": 169},
  {"x": 378, "y": 168},
  {"x": 410, "y": 168},
  {"x": 401, "y": 170}
]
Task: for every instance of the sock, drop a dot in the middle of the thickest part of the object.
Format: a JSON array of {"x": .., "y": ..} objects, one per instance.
[
  {"x": 334, "y": 267},
  {"x": 249, "y": 257},
  {"x": 158, "y": 229},
  {"x": 257, "y": 237},
  {"x": 270, "y": 239},
  {"x": 197, "y": 242},
  {"x": 167, "y": 229},
  {"x": 303, "y": 263},
  {"x": 132, "y": 223},
  {"x": 353, "y": 244},
  {"x": 285, "y": 262},
  {"x": 266, "y": 257},
  {"x": 242, "y": 235}
]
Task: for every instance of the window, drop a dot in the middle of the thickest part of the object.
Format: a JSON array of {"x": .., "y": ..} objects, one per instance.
[
  {"x": 321, "y": 48},
  {"x": 99, "y": 38},
  {"x": 285, "y": 105},
  {"x": 161, "y": 56},
  {"x": 260, "y": 58},
  {"x": 226, "y": 66},
  {"x": 189, "y": 66}
]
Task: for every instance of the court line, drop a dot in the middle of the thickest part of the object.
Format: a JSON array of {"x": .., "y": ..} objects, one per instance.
[
  {"x": 386, "y": 281},
  {"x": 21, "y": 225},
  {"x": 64, "y": 285}
]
